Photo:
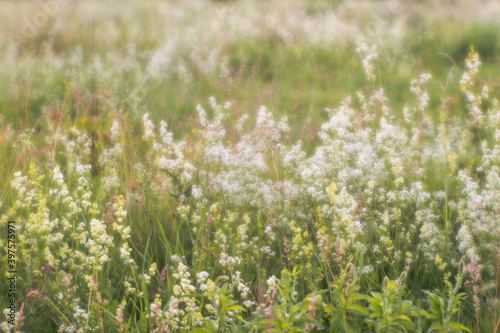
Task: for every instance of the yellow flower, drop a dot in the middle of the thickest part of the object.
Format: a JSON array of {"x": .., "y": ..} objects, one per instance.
[{"x": 331, "y": 190}]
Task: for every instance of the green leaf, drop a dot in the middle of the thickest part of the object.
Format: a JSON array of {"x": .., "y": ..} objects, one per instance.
[
  {"x": 358, "y": 309},
  {"x": 235, "y": 307},
  {"x": 459, "y": 327},
  {"x": 328, "y": 309},
  {"x": 199, "y": 330}
]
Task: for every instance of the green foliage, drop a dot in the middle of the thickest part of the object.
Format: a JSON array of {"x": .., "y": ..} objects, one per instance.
[
  {"x": 389, "y": 311},
  {"x": 225, "y": 306},
  {"x": 286, "y": 311},
  {"x": 443, "y": 308},
  {"x": 345, "y": 313}
]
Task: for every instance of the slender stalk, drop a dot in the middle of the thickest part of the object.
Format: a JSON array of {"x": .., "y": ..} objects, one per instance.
[{"x": 57, "y": 309}]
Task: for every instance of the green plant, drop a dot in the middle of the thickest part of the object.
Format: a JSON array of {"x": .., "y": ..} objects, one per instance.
[
  {"x": 227, "y": 314},
  {"x": 286, "y": 311},
  {"x": 390, "y": 313},
  {"x": 442, "y": 309},
  {"x": 345, "y": 313}
]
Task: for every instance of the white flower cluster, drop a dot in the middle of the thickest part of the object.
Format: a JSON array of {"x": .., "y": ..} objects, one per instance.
[
  {"x": 418, "y": 88},
  {"x": 468, "y": 85},
  {"x": 369, "y": 55},
  {"x": 189, "y": 316}
]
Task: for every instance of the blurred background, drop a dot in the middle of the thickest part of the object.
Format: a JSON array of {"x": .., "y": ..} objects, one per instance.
[{"x": 294, "y": 56}]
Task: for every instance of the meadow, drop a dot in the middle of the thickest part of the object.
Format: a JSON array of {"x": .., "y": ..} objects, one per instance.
[{"x": 250, "y": 166}]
